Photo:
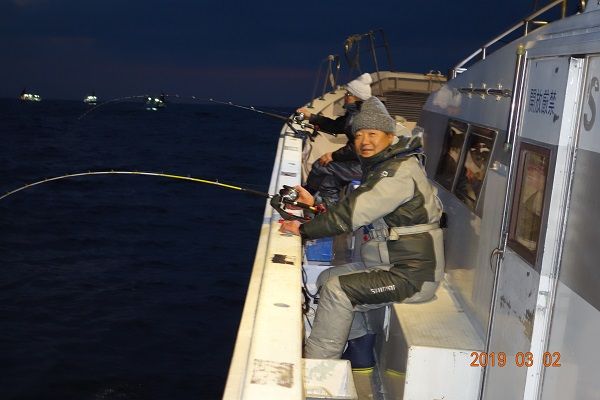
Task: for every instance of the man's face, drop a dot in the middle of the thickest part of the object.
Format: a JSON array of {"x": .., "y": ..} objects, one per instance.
[
  {"x": 369, "y": 142},
  {"x": 349, "y": 98}
]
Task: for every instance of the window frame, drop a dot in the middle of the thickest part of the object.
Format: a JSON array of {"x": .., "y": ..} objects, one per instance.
[
  {"x": 480, "y": 131},
  {"x": 471, "y": 129},
  {"x": 531, "y": 257},
  {"x": 445, "y": 148}
]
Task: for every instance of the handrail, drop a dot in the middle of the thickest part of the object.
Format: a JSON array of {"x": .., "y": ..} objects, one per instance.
[
  {"x": 330, "y": 76},
  {"x": 525, "y": 22},
  {"x": 356, "y": 38},
  {"x": 333, "y": 64}
]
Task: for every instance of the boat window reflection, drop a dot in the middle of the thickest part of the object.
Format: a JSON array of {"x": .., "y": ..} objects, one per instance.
[
  {"x": 455, "y": 138},
  {"x": 478, "y": 151},
  {"x": 528, "y": 202}
]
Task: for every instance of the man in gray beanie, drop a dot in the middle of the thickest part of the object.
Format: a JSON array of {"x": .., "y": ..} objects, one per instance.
[
  {"x": 332, "y": 171},
  {"x": 402, "y": 256}
]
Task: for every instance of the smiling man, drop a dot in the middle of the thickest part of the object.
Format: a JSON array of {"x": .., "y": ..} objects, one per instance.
[{"x": 403, "y": 256}]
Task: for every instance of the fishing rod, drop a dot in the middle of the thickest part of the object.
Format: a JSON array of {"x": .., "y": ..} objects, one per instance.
[
  {"x": 119, "y": 99},
  {"x": 286, "y": 196},
  {"x": 297, "y": 118},
  {"x": 251, "y": 108}
]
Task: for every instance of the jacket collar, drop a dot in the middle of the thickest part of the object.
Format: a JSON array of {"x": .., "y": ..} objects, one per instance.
[{"x": 403, "y": 148}]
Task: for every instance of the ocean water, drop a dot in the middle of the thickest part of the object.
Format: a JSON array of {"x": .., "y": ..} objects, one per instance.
[{"x": 126, "y": 287}]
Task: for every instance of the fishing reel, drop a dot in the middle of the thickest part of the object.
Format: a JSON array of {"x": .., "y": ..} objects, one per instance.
[
  {"x": 298, "y": 117},
  {"x": 289, "y": 195}
]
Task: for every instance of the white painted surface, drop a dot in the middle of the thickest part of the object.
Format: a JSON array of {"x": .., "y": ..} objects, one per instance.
[
  {"x": 438, "y": 339},
  {"x": 574, "y": 334},
  {"x": 544, "y": 99},
  {"x": 511, "y": 330},
  {"x": 329, "y": 379},
  {"x": 435, "y": 373},
  {"x": 589, "y": 136},
  {"x": 267, "y": 361}
]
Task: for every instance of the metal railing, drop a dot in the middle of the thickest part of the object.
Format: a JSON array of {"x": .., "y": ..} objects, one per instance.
[
  {"x": 525, "y": 23},
  {"x": 353, "y": 58},
  {"x": 329, "y": 67},
  {"x": 329, "y": 78}
]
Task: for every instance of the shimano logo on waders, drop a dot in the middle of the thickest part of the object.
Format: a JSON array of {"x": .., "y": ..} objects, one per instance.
[{"x": 384, "y": 289}]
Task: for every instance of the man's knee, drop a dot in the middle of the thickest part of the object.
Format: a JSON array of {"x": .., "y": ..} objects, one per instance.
[
  {"x": 328, "y": 286},
  {"x": 331, "y": 295},
  {"x": 348, "y": 268}
]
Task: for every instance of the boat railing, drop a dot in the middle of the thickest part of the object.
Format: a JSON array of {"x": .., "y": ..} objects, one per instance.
[
  {"x": 329, "y": 67},
  {"x": 526, "y": 24},
  {"x": 329, "y": 76},
  {"x": 353, "y": 56}
]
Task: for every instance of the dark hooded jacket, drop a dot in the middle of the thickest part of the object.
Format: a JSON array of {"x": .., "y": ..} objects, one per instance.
[{"x": 339, "y": 125}]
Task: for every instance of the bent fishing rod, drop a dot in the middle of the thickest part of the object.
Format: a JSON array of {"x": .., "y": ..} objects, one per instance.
[
  {"x": 286, "y": 196},
  {"x": 250, "y": 108},
  {"x": 297, "y": 118},
  {"x": 119, "y": 99},
  {"x": 146, "y": 96}
]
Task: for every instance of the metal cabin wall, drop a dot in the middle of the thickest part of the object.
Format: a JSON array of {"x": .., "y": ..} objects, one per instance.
[
  {"x": 469, "y": 238},
  {"x": 576, "y": 319},
  {"x": 576, "y": 315}
]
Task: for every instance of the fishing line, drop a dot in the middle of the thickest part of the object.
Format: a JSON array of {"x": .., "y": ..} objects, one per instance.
[
  {"x": 251, "y": 108},
  {"x": 296, "y": 118},
  {"x": 287, "y": 196},
  {"x": 119, "y": 99}
]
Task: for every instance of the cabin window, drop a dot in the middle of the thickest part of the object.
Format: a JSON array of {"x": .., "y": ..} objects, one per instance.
[
  {"x": 453, "y": 144},
  {"x": 478, "y": 151},
  {"x": 528, "y": 201}
]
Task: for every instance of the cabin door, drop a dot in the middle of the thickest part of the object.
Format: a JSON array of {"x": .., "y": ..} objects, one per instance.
[{"x": 539, "y": 186}]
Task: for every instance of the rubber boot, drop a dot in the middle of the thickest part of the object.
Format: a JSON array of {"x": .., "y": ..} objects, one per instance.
[{"x": 360, "y": 352}]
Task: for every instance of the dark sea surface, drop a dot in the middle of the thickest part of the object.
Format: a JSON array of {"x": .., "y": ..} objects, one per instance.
[{"x": 126, "y": 287}]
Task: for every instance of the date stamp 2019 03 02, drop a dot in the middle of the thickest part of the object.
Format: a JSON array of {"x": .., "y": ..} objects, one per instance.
[{"x": 520, "y": 359}]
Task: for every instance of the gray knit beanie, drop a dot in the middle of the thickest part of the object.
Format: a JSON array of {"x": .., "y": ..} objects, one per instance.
[{"x": 373, "y": 115}]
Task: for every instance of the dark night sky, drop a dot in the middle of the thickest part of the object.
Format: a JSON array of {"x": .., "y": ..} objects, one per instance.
[{"x": 251, "y": 52}]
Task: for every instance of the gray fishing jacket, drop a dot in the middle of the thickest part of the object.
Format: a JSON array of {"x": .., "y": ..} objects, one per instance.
[{"x": 400, "y": 208}]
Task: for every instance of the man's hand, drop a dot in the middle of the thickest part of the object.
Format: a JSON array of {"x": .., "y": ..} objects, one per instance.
[
  {"x": 303, "y": 197},
  {"x": 305, "y": 111},
  {"x": 326, "y": 159},
  {"x": 292, "y": 227}
]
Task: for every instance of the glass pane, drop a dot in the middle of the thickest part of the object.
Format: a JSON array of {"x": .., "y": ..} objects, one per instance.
[
  {"x": 530, "y": 199},
  {"x": 455, "y": 137},
  {"x": 470, "y": 180}
]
